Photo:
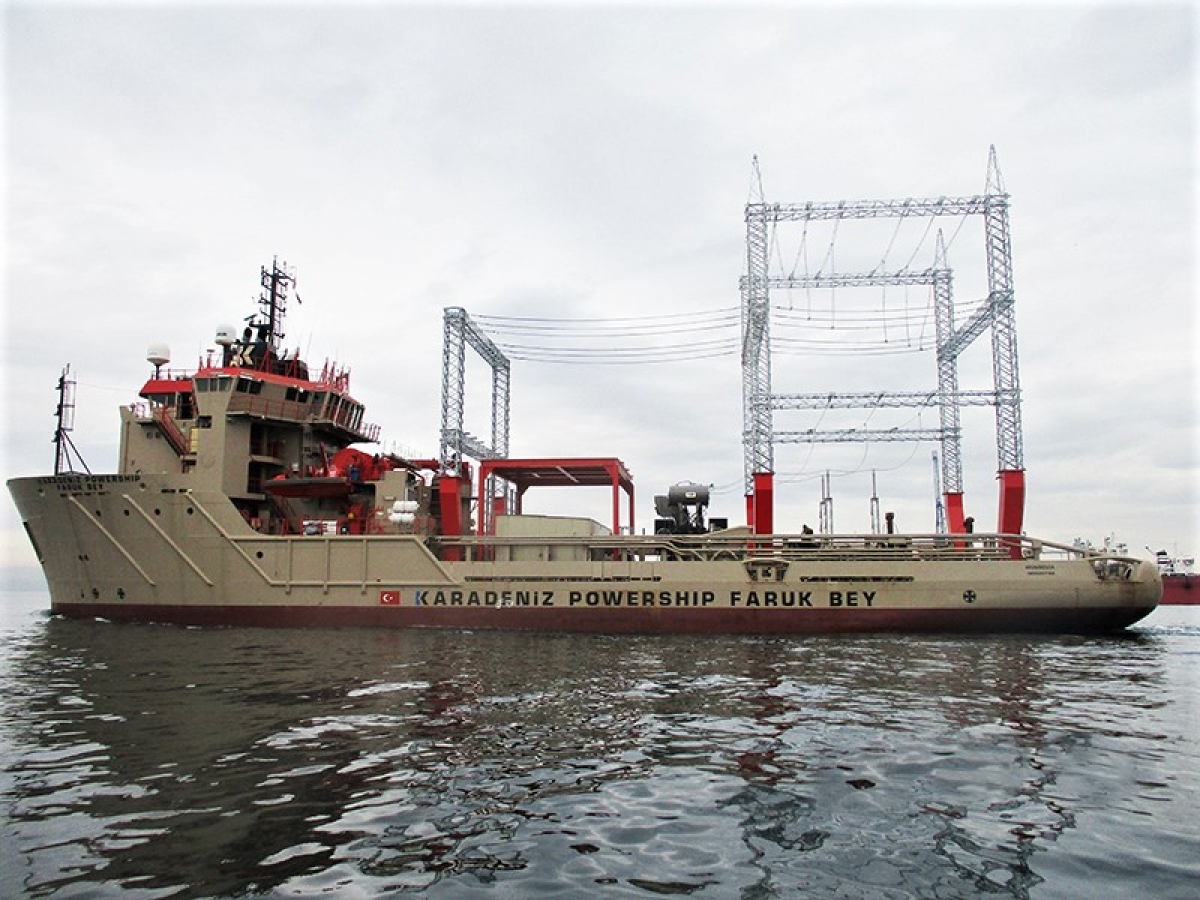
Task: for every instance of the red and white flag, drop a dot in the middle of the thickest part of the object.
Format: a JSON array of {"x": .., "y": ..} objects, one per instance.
[{"x": 389, "y": 598}]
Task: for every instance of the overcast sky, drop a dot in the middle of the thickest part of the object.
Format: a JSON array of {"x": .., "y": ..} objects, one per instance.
[{"x": 593, "y": 162}]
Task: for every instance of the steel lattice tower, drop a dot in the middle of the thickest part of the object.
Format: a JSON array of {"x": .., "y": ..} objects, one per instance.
[
  {"x": 947, "y": 364},
  {"x": 996, "y": 313},
  {"x": 459, "y": 332},
  {"x": 756, "y": 342},
  {"x": 1004, "y": 325}
]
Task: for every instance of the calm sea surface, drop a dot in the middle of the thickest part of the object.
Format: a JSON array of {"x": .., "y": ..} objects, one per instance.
[{"x": 153, "y": 761}]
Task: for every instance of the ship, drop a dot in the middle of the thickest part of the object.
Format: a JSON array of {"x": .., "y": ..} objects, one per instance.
[
  {"x": 251, "y": 491},
  {"x": 1181, "y": 584}
]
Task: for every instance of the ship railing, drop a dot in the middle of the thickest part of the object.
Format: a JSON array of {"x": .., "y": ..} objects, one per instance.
[
  {"x": 171, "y": 430},
  {"x": 166, "y": 374},
  {"x": 742, "y": 547},
  {"x": 296, "y": 411},
  {"x": 286, "y": 410}
]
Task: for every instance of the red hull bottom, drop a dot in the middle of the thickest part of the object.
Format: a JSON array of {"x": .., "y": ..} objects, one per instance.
[{"x": 628, "y": 621}]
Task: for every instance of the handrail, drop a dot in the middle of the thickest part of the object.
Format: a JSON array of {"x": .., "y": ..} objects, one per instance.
[
  {"x": 170, "y": 429},
  {"x": 743, "y": 546},
  {"x": 295, "y": 411}
]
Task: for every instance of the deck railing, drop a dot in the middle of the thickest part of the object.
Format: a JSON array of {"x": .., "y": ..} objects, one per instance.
[
  {"x": 743, "y": 547},
  {"x": 295, "y": 411},
  {"x": 170, "y": 429}
]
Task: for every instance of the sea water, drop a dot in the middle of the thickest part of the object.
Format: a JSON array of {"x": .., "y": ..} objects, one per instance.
[{"x": 148, "y": 761}]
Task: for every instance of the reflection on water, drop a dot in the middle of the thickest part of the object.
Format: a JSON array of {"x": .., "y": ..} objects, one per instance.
[{"x": 157, "y": 761}]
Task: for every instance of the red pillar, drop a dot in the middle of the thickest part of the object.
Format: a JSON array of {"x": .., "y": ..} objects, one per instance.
[
  {"x": 1012, "y": 504},
  {"x": 631, "y": 522},
  {"x": 499, "y": 508},
  {"x": 955, "y": 520},
  {"x": 616, "y": 498},
  {"x": 764, "y": 502},
  {"x": 450, "y": 492}
]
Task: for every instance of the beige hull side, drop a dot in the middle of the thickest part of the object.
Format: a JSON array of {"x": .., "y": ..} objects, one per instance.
[{"x": 124, "y": 544}]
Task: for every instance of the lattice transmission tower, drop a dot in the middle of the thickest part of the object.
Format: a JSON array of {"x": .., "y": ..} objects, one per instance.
[
  {"x": 459, "y": 332},
  {"x": 995, "y": 312}
]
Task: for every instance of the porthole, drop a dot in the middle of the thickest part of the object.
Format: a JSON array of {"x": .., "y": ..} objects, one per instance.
[{"x": 259, "y": 554}]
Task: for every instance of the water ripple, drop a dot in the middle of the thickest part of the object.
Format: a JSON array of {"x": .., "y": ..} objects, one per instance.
[{"x": 163, "y": 762}]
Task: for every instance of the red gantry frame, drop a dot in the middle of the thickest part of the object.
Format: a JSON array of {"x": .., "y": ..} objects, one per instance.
[{"x": 561, "y": 472}]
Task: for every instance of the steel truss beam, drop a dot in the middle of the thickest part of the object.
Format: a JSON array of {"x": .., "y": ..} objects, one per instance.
[
  {"x": 881, "y": 400},
  {"x": 813, "y": 211},
  {"x": 858, "y": 279},
  {"x": 860, "y": 435}
]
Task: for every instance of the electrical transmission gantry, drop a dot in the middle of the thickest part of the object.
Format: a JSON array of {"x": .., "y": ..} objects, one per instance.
[
  {"x": 459, "y": 332},
  {"x": 994, "y": 313}
]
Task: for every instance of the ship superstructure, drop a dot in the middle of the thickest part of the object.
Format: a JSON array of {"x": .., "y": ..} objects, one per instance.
[{"x": 260, "y": 427}]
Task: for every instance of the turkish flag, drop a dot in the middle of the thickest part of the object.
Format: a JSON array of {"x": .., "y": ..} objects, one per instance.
[{"x": 389, "y": 598}]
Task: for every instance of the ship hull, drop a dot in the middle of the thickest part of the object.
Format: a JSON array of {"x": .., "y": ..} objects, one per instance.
[
  {"x": 901, "y": 619},
  {"x": 146, "y": 548},
  {"x": 1181, "y": 590}
]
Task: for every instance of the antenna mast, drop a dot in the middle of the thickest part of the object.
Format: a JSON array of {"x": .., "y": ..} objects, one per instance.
[
  {"x": 63, "y": 446},
  {"x": 273, "y": 303}
]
